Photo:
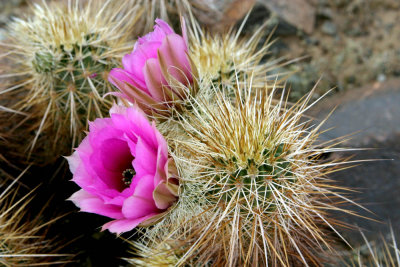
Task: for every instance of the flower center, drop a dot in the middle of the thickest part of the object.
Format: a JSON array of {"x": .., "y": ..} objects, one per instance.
[{"x": 127, "y": 176}]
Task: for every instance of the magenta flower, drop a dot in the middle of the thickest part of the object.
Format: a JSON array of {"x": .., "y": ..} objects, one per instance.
[
  {"x": 124, "y": 171},
  {"x": 155, "y": 71}
]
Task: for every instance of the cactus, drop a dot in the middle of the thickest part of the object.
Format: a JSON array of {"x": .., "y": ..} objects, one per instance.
[
  {"x": 63, "y": 54},
  {"x": 252, "y": 186},
  {"x": 152, "y": 257},
  {"x": 383, "y": 252},
  {"x": 221, "y": 57}
]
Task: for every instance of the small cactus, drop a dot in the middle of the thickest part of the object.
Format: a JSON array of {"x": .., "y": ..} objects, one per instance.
[
  {"x": 219, "y": 58},
  {"x": 63, "y": 52},
  {"x": 383, "y": 252}
]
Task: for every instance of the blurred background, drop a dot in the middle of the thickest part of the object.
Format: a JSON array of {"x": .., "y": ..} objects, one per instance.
[{"x": 351, "y": 47}]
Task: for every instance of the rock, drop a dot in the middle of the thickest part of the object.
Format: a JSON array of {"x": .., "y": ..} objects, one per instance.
[
  {"x": 375, "y": 112},
  {"x": 299, "y": 13},
  {"x": 325, "y": 13},
  {"x": 221, "y": 15},
  {"x": 371, "y": 112},
  {"x": 378, "y": 186},
  {"x": 260, "y": 15},
  {"x": 381, "y": 77},
  {"x": 236, "y": 10},
  {"x": 311, "y": 40},
  {"x": 328, "y": 27}
]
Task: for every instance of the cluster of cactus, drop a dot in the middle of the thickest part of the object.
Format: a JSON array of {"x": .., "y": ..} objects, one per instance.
[
  {"x": 251, "y": 182},
  {"x": 253, "y": 189}
]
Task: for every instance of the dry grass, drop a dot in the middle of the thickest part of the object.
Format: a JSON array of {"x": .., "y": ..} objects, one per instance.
[{"x": 23, "y": 240}]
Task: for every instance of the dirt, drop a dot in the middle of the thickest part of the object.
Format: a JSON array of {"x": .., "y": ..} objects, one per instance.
[{"x": 354, "y": 43}]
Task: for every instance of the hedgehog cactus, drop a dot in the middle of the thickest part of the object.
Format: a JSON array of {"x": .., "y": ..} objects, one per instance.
[
  {"x": 219, "y": 58},
  {"x": 252, "y": 187},
  {"x": 64, "y": 53},
  {"x": 152, "y": 257}
]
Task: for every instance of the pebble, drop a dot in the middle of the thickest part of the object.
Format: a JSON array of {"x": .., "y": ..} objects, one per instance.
[
  {"x": 328, "y": 27},
  {"x": 381, "y": 77}
]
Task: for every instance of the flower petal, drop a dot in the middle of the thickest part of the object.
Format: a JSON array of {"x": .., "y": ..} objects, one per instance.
[
  {"x": 73, "y": 161},
  {"x": 125, "y": 225},
  {"x": 136, "y": 207},
  {"x": 125, "y": 77},
  {"x": 90, "y": 203},
  {"x": 162, "y": 196},
  {"x": 154, "y": 80},
  {"x": 146, "y": 159},
  {"x": 116, "y": 155},
  {"x": 173, "y": 50},
  {"x": 164, "y": 26}
]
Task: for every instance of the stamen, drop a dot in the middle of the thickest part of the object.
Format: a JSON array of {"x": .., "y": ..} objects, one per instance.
[{"x": 128, "y": 175}]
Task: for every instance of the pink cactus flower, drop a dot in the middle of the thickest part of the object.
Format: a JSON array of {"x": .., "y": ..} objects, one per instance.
[
  {"x": 153, "y": 73},
  {"x": 124, "y": 171}
]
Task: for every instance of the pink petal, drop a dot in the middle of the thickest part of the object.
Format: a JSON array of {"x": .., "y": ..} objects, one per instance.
[
  {"x": 134, "y": 62},
  {"x": 162, "y": 196},
  {"x": 161, "y": 29},
  {"x": 164, "y": 26},
  {"x": 125, "y": 225},
  {"x": 119, "y": 200},
  {"x": 99, "y": 141},
  {"x": 154, "y": 79},
  {"x": 118, "y": 77},
  {"x": 160, "y": 174},
  {"x": 84, "y": 175},
  {"x": 162, "y": 143},
  {"x": 145, "y": 187},
  {"x": 98, "y": 124},
  {"x": 144, "y": 52},
  {"x": 174, "y": 50},
  {"x": 73, "y": 161},
  {"x": 146, "y": 159},
  {"x": 134, "y": 124},
  {"x": 115, "y": 155},
  {"x": 136, "y": 207},
  {"x": 90, "y": 203}
]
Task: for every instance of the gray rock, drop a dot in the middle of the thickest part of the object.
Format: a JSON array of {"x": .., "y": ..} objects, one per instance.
[
  {"x": 374, "y": 111},
  {"x": 370, "y": 113},
  {"x": 328, "y": 27},
  {"x": 299, "y": 13}
]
